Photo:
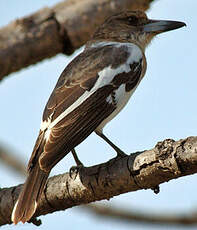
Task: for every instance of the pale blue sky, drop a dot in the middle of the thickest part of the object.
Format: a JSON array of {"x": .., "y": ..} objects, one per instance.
[{"x": 162, "y": 107}]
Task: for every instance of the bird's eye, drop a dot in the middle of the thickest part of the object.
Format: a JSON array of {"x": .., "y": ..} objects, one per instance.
[{"x": 132, "y": 20}]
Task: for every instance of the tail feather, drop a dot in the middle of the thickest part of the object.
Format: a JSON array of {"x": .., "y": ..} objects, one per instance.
[{"x": 26, "y": 204}]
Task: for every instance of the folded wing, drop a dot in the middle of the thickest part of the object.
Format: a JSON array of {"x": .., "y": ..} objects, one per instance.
[{"x": 80, "y": 100}]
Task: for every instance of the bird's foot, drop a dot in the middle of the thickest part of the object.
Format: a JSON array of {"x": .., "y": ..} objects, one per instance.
[
  {"x": 74, "y": 170},
  {"x": 156, "y": 189}
]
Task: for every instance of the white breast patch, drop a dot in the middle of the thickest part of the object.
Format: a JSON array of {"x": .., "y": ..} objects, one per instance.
[{"x": 121, "y": 98}]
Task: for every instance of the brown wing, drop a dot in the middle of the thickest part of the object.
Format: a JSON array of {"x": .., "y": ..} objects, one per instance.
[
  {"x": 78, "y": 77},
  {"x": 75, "y": 127}
]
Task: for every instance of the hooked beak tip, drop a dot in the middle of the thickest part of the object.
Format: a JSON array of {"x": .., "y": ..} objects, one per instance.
[{"x": 160, "y": 26}]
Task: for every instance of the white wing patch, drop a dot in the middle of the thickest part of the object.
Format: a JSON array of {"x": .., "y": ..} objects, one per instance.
[
  {"x": 13, "y": 212},
  {"x": 105, "y": 77},
  {"x": 47, "y": 133},
  {"x": 44, "y": 124}
]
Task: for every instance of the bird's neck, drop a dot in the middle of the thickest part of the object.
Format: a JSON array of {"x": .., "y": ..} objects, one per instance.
[{"x": 102, "y": 42}]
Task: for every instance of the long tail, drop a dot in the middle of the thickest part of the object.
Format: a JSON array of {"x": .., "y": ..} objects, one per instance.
[{"x": 27, "y": 202}]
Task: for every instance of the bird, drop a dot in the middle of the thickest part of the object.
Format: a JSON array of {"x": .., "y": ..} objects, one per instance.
[{"x": 93, "y": 88}]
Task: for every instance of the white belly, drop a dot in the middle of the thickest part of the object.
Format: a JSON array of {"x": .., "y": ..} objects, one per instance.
[{"x": 121, "y": 98}]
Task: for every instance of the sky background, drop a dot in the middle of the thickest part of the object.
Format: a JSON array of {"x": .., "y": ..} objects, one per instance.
[{"x": 163, "y": 106}]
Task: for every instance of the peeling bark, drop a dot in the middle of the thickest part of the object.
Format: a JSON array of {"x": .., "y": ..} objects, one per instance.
[
  {"x": 61, "y": 29},
  {"x": 141, "y": 170}
]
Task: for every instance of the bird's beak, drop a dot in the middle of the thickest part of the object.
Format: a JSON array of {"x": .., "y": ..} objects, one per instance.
[{"x": 160, "y": 26}]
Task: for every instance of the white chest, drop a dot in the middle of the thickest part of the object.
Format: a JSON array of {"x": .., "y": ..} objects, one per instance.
[{"x": 121, "y": 97}]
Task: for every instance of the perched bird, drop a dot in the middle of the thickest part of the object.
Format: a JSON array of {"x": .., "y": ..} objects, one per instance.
[{"x": 91, "y": 90}]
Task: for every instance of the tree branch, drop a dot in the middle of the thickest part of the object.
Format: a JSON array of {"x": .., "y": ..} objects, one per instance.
[
  {"x": 61, "y": 29},
  {"x": 140, "y": 217},
  {"x": 12, "y": 161},
  {"x": 141, "y": 170}
]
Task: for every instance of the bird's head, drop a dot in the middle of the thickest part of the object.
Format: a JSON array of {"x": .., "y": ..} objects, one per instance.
[{"x": 133, "y": 26}]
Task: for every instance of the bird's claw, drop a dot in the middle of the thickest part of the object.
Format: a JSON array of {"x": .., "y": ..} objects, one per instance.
[
  {"x": 156, "y": 189},
  {"x": 74, "y": 170}
]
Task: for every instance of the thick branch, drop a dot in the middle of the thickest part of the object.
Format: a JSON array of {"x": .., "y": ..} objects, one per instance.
[
  {"x": 141, "y": 170},
  {"x": 61, "y": 29}
]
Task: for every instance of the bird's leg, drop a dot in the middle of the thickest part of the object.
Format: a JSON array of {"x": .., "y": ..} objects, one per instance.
[
  {"x": 75, "y": 169},
  {"x": 120, "y": 153},
  {"x": 77, "y": 161}
]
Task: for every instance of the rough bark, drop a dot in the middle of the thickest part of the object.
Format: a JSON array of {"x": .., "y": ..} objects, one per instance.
[
  {"x": 141, "y": 170},
  {"x": 61, "y": 29}
]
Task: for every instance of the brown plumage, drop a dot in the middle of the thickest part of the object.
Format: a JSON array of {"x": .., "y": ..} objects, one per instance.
[{"x": 92, "y": 89}]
